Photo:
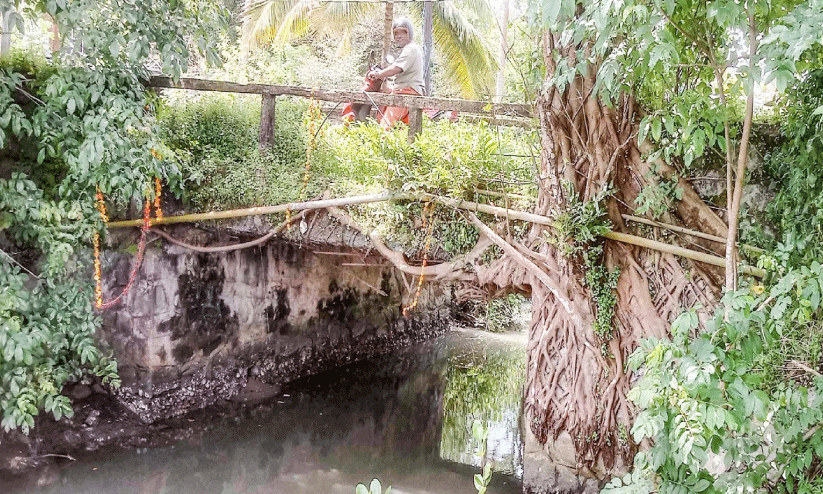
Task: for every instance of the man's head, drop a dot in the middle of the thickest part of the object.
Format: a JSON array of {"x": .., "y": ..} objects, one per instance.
[{"x": 402, "y": 31}]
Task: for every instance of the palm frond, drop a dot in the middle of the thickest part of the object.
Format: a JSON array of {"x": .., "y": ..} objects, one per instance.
[
  {"x": 278, "y": 21},
  {"x": 482, "y": 8},
  {"x": 296, "y": 23},
  {"x": 344, "y": 46},
  {"x": 337, "y": 17},
  {"x": 469, "y": 63}
]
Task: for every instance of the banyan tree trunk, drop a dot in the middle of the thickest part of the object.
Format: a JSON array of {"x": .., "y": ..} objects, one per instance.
[{"x": 577, "y": 382}]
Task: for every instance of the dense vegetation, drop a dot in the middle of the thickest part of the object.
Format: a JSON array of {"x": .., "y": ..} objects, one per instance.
[
  {"x": 68, "y": 131},
  {"x": 729, "y": 400}
]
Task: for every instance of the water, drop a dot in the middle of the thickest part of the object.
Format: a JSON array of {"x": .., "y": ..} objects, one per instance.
[{"x": 423, "y": 420}]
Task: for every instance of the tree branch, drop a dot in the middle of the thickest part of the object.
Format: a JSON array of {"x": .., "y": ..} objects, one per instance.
[
  {"x": 446, "y": 270},
  {"x": 742, "y": 162},
  {"x": 541, "y": 275}
]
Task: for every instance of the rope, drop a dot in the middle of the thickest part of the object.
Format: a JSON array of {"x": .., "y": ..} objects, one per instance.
[{"x": 227, "y": 248}]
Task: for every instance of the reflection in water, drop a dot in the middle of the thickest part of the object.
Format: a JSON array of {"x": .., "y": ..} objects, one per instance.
[
  {"x": 404, "y": 418},
  {"x": 484, "y": 386}
]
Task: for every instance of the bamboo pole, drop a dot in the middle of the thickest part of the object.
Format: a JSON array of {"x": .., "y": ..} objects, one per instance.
[
  {"x": 282, "y": 208},
  {"x": 679, "y": 251},
  {"x": 496, "y": 211},
  {"x": 687, "y": 231}
]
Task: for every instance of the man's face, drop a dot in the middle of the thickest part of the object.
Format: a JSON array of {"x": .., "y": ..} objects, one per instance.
[{"x": 401, "y": 37}]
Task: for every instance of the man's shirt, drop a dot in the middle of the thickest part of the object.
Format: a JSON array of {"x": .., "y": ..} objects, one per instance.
[{"x": 411, "y": 61}]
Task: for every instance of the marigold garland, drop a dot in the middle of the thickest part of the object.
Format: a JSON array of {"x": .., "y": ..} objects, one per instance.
[
  {"x": 158, "y": 211},
  {"x": 98, "y": 289},
  {"x": 141, "y": 247},
  {"x": 312, "y": 116},
  {"x": 427, "y": 225},
  {"x": 101, "y": 206}
]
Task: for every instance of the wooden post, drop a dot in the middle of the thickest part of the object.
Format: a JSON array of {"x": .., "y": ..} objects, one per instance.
[
  {"x": 427, "y": 46},
  {"x": 267, "y": 121},
  {"x": 415, "y": 122}
]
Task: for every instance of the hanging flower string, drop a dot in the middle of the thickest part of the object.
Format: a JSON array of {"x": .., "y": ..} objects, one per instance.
[
  {"x": 312, "y": 116},
  {"x": 141, "y": 246},
  {"x": 427, "y": 225},
  {"x": 158, "y": 211},
  {"x": 98, "y": 289}
]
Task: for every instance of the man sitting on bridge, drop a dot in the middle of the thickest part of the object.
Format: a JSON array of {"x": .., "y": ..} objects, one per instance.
[{"x": 407, "y": 70}]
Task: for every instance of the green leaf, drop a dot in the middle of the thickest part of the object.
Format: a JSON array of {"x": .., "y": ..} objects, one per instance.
[
  {"x": 375, "y": 487},
  {"x": 657, "y": 127},
  {"x": 114, "y": 48},
  {"x": 701, "y": 485},
  {"x": 478, "y": 481},
  {"x": 551, "y": 11}
]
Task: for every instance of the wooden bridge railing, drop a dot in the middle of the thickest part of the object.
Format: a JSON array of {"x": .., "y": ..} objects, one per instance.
[{"x": 415, "y": 104}]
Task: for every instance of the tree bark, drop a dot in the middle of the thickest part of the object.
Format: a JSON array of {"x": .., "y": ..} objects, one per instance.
[
  {"x": 5, "y": 32},
  {"x": 427, "y": 46},
  {"x": 742, "y": 163},
  {"x": 267, "y": 123},
  {"x": 577, "y": 380}
]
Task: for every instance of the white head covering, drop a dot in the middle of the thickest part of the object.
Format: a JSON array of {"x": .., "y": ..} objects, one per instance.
[{"x": 405, "y": 23}]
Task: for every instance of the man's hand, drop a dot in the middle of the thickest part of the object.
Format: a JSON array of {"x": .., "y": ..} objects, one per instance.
[{"x": 382, "y": 74}]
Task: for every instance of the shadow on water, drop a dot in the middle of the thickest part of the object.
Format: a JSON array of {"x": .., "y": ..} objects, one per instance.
[{"x": 405, "y": 418}]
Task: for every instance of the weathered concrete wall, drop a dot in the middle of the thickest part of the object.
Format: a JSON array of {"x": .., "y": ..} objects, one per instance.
[
  {"x": 553, "y": 468},
  {"x": 197, "y": 328}
]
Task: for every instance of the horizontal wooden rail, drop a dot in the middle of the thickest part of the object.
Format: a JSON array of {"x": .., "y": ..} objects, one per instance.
[
  {"x": 411, "y": 102},
  {"x": 496, "y": 211}
]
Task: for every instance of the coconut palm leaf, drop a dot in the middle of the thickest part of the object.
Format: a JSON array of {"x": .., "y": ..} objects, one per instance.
[
  {"x": 469, "y": 63},
  {"x": 266, "y": 21},
  {"x": 335, "y": 17},
  {"x": 297, "y": 22}
]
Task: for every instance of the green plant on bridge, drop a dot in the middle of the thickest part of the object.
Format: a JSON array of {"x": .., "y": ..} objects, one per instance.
[
  {"x": 451, "y": 159},
  {"x": 215, "y": 140}
]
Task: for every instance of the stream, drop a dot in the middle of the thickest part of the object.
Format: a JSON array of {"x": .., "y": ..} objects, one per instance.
[{"x": 423, "y": 420}]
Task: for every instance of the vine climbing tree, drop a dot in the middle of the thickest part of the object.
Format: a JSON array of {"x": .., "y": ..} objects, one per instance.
[{"x": 636, "y": 92}]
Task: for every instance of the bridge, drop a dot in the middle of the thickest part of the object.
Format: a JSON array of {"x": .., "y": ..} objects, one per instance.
[{"x": 497, "y": 113}]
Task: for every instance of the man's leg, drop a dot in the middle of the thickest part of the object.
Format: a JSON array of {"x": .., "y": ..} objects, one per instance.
[{"x": 394, "y": 114}]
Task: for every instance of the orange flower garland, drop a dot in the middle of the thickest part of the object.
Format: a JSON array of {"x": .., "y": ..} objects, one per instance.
[
  {"x": 427, "y": 225},
  {"x": 158, "y": 212},
  {"x": 141, "y": 247},
  {"x": 98, "y": 289}
]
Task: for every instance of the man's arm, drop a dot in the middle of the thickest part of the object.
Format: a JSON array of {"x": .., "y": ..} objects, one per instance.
[{"x": 384, "y": 73}]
